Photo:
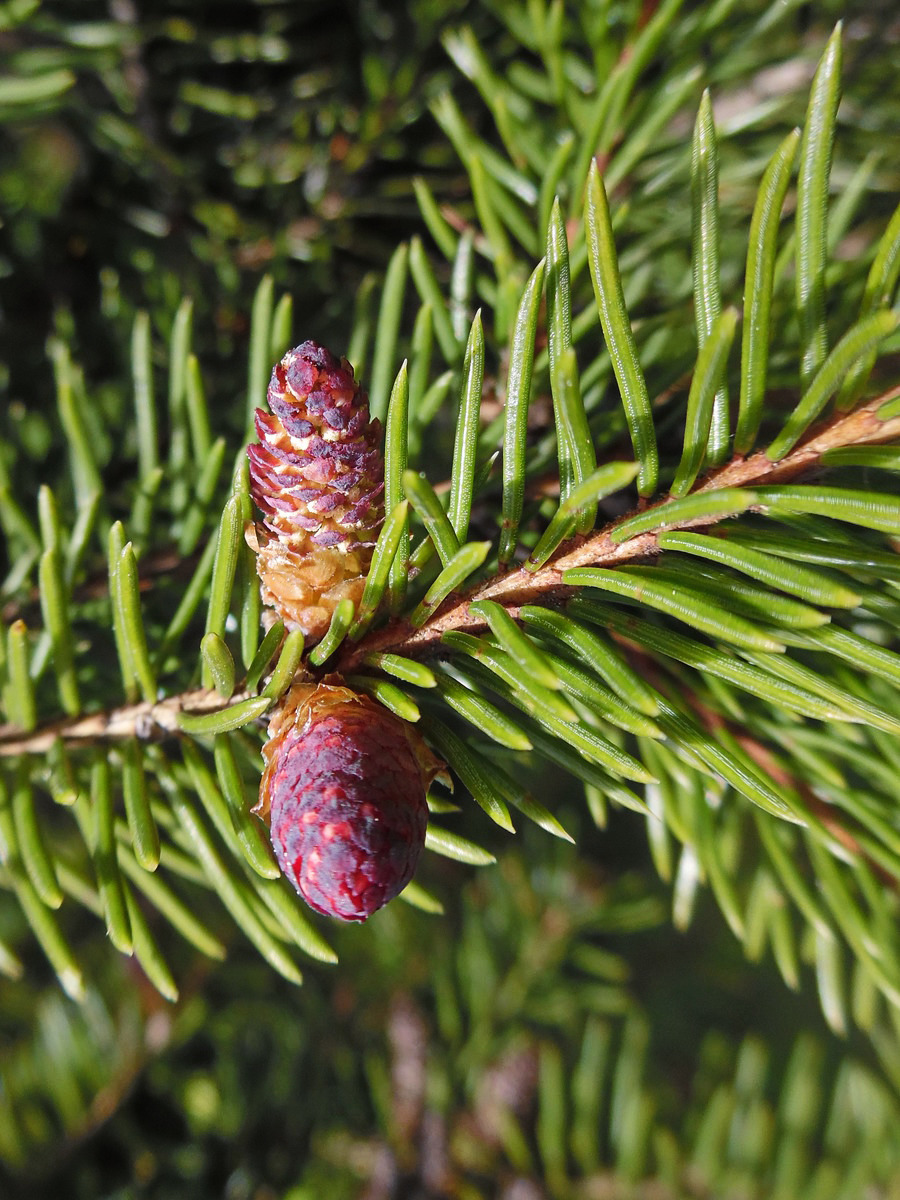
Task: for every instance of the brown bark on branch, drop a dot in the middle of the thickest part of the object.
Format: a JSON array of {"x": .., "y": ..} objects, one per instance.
[
  {"x": 148, "y": 722},
  {"x": 861, "y": 427}
]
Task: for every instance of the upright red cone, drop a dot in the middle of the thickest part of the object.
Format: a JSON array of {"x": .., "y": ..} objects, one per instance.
[{"x": 317, "y": 476}]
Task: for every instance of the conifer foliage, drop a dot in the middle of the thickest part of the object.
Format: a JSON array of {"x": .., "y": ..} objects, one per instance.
[{"x": 637, "y": 373}]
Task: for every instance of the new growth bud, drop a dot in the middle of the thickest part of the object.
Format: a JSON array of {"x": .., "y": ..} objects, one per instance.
[{"x": 317, "y": 476}]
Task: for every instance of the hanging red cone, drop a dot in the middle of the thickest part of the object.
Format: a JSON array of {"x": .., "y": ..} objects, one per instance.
[{"x": 344, "y": 789}]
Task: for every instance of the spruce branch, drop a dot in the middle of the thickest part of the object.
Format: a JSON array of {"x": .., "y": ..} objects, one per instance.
[
  {"x": 152, "y": 721},
  {"x": 681, "y": 660},
  {"x": 519, "y": 587}
]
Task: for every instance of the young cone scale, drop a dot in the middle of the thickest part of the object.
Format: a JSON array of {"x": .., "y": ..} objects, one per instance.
[
  {"x": 344, "y": 790},
  {"x": 317, "y": 476},
  {"x": 345, "y": 781}
]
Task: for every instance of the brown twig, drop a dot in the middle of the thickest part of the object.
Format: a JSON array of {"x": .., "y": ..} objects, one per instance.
[
  {"x": 818, "y": 809},
  {"x": 149, "y": 722},
  {"x": 520, "y": 587}
]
